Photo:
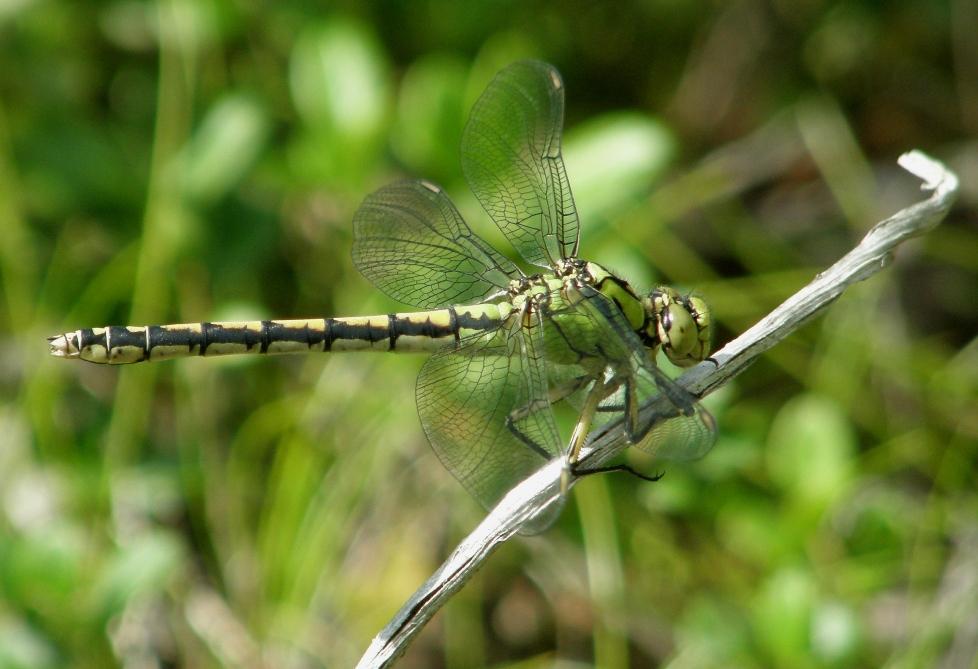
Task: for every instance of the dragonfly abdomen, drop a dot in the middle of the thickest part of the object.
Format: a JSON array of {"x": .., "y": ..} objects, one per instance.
[{"x": 424, "y": 331}]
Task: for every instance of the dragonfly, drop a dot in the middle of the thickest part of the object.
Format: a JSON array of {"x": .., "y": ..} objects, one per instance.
[{"x": 507, "y": 345}]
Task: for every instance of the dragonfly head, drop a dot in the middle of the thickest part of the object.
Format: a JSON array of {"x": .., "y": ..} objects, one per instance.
[{"x": 680, "y": 323}]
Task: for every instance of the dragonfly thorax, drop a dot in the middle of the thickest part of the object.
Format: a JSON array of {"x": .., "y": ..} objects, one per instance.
[
  {"x": 680, "y": 324},
  {"x": 532, "y": 294},
  {"x": 580, "y": 274}
]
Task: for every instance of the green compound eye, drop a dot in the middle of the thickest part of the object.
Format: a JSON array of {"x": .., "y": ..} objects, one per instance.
[
  {"x": 682, "y": 325},
  {"x": 700, "y": 312}
]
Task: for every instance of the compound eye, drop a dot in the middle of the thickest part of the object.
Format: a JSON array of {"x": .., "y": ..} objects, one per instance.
[
  {"x": 704, "y": 325},
  {"x": 679, "y": 335}
]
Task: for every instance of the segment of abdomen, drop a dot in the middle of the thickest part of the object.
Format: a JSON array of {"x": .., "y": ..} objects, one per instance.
[{"x": 404, "y": 332}]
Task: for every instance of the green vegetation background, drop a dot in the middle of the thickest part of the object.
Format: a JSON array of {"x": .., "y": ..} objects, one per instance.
[{"x": 190, "y": 160}]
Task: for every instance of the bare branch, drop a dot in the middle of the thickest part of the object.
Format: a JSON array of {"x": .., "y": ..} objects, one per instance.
[{"x": 526, "y": 500}]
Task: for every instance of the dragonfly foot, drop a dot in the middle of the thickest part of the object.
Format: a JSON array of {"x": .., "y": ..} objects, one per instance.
[{"x": 618, "y": 468}]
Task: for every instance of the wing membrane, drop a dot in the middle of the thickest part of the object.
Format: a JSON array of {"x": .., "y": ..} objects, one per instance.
[
  {"x": 681, "y": 437},
  {"x": 410, "y": 241},
  {"x": 486, "y": 411},
  {"x": 511, "y": 159}
]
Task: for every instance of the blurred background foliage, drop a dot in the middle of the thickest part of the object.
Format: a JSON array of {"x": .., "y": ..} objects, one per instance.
[{"x": 189, "y": 160}]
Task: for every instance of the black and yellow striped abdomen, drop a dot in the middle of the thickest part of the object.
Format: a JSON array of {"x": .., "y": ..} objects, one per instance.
[{"x": 424, "y": 331}]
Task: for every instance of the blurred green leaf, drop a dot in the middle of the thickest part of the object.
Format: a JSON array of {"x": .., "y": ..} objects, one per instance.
[
  {"x": 615, "y": 158},
  {"x": 844, "y": 38},
  {"x": 709, "y": 635},
  {"x": 338, "y": 77},
  {"x": 750, "y": 529},
  {"x": 835, "y": 634},
  {"x": 427, "y": 131},
  {"x": 129, "y": 24},
  {"x": 810, "y": 451},
  {"x": 227, "y": 143},
  {"x": 782, "y": 616},
  {"x": 22, "y": 647},
  {"x": 139, "y": 568},
  {"x": 43, "y": 569}
]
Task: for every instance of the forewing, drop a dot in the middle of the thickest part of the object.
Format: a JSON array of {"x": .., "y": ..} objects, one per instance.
[
  {"x": 466, "y": 397},
  {"x": 512, "y": 161},
  {"x": 410, "y": 241}
]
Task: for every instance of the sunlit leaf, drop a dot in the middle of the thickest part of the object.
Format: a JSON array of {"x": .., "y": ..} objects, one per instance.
[
  {"x": 140, "y": 568},
  {"x": 782, "y": 616},
  {"x": 430, "y": 115},
  {"x": 339, "y": 83},
  {"x": 338, "y": 78},
  {"x": 613, "y": 159},
  {"x": 810, "y": 450},
  {"x": 223, "y": 148}
]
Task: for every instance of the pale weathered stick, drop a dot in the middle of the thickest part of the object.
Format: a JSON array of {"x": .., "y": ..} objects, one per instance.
[{"x": 527, "y": 499}]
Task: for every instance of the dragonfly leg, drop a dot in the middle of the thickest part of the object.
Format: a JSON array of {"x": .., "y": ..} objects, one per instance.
[
  {"x": 619, "y": 468},
  {"x": 600, "y": 391},
  {"x": 635, "y": 431},
  {"x": 555, "y": 394},
  {"x": 522, "y": 436}
]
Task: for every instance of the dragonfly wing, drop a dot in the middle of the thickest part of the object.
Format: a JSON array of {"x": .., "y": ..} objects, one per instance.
[
  {"x": 682, "y": 437},
  {"x": 486, "y": 411},
  {"x": 410, "y": 241},
  {"x": 511, "y": 159}
]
